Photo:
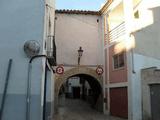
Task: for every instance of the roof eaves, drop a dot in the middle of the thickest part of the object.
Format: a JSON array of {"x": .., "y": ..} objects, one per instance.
[
  {"x": 104, "y": 8},
  {"x": 64, "y": 11}
]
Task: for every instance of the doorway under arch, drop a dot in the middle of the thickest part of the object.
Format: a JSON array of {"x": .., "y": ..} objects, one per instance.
[{"x": 95, "y": 81}]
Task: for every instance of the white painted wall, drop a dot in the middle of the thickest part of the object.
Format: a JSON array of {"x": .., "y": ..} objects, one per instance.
[
  {"x": 74, "y": 81},
  {"x": 21, "y": 20},
  {"x": 73, "y": 31},
  {"x": 140, "y": 62},
  {"x": 146, "y": 54},
  {"x": 48, "y": 28},
  {"x": 147, "y": 40}
]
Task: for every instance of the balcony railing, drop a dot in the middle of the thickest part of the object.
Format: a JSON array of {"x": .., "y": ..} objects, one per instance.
[{"x": 116, "y": 32}]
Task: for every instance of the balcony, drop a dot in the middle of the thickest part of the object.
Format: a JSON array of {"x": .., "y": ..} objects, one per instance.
[
  {"x": 116, "y": 22},
  {"x": 116, "y": 32}
]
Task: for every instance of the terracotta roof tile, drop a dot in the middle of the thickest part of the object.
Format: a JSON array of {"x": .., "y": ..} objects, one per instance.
[{"x": 78, "y": 12}]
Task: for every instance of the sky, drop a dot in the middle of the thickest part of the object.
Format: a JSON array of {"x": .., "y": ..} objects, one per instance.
[{"x": 93, "y": 5}]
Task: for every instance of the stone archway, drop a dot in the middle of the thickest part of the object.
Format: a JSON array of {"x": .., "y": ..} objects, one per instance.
[{"x": 60, "y": 79}]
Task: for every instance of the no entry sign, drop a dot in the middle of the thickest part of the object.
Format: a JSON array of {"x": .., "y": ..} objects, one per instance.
[
  {"x": 99, "y": 70},
  {"x": 59, "y": 70}
]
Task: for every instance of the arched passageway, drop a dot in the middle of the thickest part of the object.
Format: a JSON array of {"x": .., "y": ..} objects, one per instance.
[
  {"x": 83, "y": 87},
  {"x": 93, "y": 94}
]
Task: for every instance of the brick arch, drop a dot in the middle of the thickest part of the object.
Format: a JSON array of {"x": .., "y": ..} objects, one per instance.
[{"x": 60, "y": 79}]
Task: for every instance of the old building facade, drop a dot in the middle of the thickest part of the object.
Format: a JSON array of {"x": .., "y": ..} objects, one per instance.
[
  {"x": 75, "y": 29},
  {"x": 130, "y": 36},
  {"x": 115, "y": 44}
]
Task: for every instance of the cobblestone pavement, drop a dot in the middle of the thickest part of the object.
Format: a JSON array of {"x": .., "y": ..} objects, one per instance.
[{"x": 79, "y": 110}]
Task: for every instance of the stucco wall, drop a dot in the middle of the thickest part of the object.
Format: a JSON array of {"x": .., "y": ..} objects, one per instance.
[
  {"x": 75, "y": 30},
  {"x": 117, "y": 75},
  {"x": 146, "y": 54},
  {"x": 140, "y": 62},
  {"x": 21, "y": 20},
  {"x": 49, "y": 95},
  {"x": 149, "y": 76},
  {"x": 147, "y": 40}
]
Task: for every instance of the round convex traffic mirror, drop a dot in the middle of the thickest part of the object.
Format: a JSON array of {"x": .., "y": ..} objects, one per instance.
[{"x": 31, "y": 48}]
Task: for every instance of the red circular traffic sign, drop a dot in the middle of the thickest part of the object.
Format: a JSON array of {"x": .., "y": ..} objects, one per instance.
[
  {"x": 59, "y": 70},
  {"x": 99, "y": 70}
]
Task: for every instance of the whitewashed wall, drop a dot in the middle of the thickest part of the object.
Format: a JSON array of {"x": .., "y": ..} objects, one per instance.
[
  {"x": 140, "y": 62},
  {"x": 146, "y": 54},
  {"x": 21, "y": 20},
  {"x": 74, "y": 81},
  {"x": 75, "y": 30}
]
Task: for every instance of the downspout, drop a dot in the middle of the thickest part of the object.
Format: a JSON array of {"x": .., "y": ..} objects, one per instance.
[
  {"x": 54, "y": 40},
  {"x": 45, "y": 92},
  {"x": 28, "y": 98},
  {"x": 133, "y": 70},
  {"x": 28, "y": 93},
  {"x": 132, "y": 55}
]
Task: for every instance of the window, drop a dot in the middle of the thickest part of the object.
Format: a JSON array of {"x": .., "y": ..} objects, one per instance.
[{"x": 118, "y": 60}]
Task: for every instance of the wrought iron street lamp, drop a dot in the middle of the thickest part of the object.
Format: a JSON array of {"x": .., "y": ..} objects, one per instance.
[{"x": 80, "y": 52}]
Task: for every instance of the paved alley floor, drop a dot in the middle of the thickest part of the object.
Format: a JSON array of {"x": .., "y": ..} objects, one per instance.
[{"x": 75, "y": 109}]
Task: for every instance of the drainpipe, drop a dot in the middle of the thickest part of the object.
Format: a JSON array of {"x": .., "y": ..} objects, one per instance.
[
  {"x": 45, "y": 92},
  {"x": 28, "y": 98},
  {"x": 133, "y": 70},
  {"x": 132, "y": 54},
  {"x": 28, "y": 93}
]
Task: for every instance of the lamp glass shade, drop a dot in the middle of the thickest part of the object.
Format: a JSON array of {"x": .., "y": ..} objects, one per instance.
[{"x": 80, "y": 51}]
